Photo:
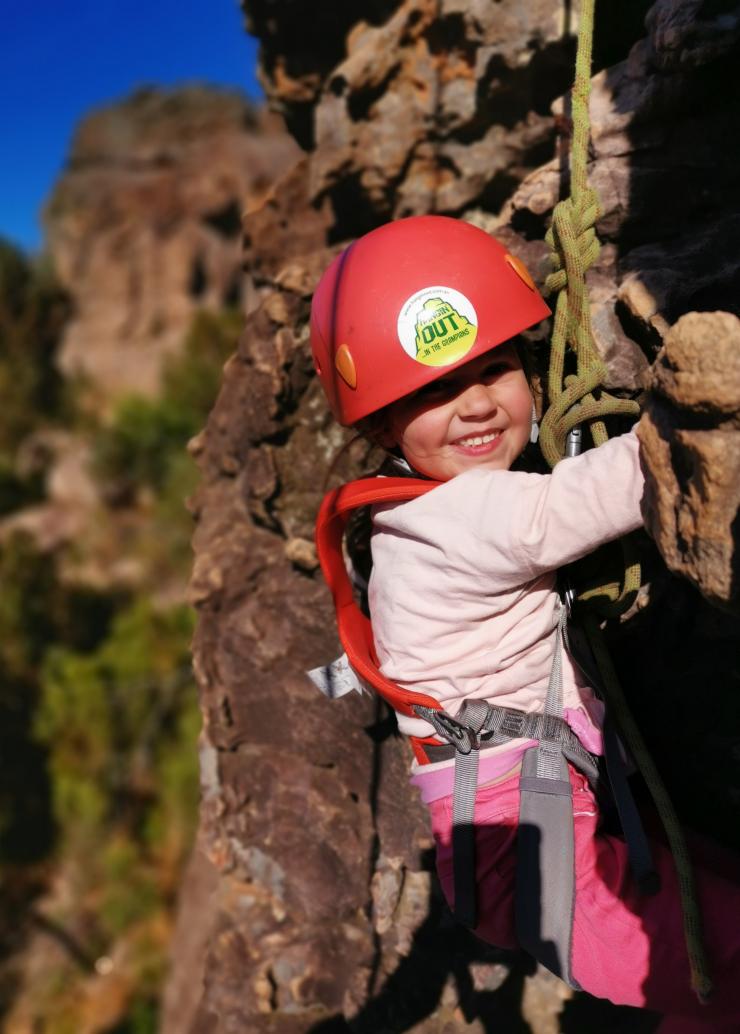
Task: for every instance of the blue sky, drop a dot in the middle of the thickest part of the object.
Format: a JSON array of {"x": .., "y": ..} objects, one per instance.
[{"x": 59, "y": 58}]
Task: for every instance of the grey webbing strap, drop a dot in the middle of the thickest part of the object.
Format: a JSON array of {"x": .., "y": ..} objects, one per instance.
[
  {"x": 462, "y": 732},
  {"x": 548, "y": 777},
  {"x": 544, "y": 898},
  {"x": 580, "y": 758},
  {"x": 554, "y": 698},
  {"x": 545, "y": 883},
  {"x": 556, "y": 787},
  {"x": 638, "y": 848},
  {"x": 506, "y": 723}
]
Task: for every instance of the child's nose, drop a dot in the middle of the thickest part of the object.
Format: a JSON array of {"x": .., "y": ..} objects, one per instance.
[{"x": 477, "y": 400}]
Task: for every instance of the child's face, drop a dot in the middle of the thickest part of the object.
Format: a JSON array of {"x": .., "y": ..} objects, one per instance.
[{"x": 480, "y": 415}]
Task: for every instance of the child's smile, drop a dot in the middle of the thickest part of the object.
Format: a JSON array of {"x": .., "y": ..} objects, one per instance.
[{"x": 478, "y": 415}]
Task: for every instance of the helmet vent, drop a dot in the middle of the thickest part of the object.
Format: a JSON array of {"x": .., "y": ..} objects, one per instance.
[
  {"x": 345, "y": 365},
  {"x": 521, "y": 271}
]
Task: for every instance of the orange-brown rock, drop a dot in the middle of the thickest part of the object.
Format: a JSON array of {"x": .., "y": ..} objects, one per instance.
[
  {"x": 690, "y": 435},
  {"x": 661, "y": 120},
  {"x": 424, "y": 107}
]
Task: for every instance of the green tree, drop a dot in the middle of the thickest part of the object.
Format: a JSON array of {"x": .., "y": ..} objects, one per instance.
[
  {"x": 191, "y": 380},
  {"x": 36, "y": 610},
  {"x": 33, "y": 311},
  {"x": 107, "y": 715},
  {"x": 147, "y": 437}
]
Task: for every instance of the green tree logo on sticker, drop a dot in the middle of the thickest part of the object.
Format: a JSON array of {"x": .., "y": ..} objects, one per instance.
[
  {"x": 437, "y": 325},
  {"x": 442, "y": 333}
]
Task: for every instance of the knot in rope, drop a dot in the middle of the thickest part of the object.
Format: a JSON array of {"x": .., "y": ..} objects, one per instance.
[
  {"x": 572, "y": 238},
  {"x": 578, "y": 398}
]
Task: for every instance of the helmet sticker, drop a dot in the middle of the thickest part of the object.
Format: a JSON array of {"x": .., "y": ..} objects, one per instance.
[{"x": 437, "y": 326}]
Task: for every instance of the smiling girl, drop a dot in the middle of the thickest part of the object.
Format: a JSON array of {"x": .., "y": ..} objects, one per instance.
[
  {"x": 480, "y": 415},
  {"x": 416, "y": 339}
]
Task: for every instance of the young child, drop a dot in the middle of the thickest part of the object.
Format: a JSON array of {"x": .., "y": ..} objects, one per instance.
[{"x": 415, "y": 335}]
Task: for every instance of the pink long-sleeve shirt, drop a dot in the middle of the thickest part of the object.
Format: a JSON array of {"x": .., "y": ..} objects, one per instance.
[{"x": 462, "y": 593}]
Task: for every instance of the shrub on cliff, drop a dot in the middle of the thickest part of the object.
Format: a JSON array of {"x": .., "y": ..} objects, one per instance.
[
  {"x": 109, "y": 717},
  {"x": 33, "y": 310},
  {"x": 36, "y": 611},
  {"x": 191, "y": 381},
  {"x": 119, "y": 724},
  {"x": 148, "y": 436}
]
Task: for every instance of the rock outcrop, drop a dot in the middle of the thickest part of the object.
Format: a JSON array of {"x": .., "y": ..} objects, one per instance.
[
  {"x": 328, "y": 918},
  {"x": 691, "y": 443},
  {"x": 661, "y": 120},
  {"x": 145, "y": 224}
]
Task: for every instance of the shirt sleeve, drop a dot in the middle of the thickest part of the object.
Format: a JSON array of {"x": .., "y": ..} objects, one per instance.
[
  {"x": 512, "y": 526},
  {"x": 586, "y": 501}
]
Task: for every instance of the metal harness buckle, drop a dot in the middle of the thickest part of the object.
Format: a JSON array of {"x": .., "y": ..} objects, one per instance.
[{"x": 462, "y": 738}]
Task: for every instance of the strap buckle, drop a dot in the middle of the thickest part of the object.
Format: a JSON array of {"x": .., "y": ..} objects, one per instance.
[{"x": 462, "y": 738}]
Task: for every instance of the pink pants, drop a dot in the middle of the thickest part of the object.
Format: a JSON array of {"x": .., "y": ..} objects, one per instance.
[{"x": 626, "y": 947}]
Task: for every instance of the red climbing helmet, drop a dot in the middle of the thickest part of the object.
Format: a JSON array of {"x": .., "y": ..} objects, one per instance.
[{"x": 409, "y": 301}]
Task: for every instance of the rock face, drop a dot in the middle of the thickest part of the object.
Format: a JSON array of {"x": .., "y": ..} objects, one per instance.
[
  {"x": 327, "y": 915},
  {"x": 144, "y": 226},
  {"x": 661, "y": 121},
  {"x": 691, "y": 444}
]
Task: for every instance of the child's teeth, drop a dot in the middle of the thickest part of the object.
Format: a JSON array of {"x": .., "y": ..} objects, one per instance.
[{"x": 478, "y": 440}]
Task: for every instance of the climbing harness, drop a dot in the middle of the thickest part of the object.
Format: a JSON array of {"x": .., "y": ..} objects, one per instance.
[
  {"x": 577, "y": 401},
  {"x": 545, "y": 848},
  {"x": 545, "y": 893}
]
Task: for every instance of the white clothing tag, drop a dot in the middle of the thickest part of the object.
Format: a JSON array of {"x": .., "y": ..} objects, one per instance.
[{"x": 336, "y": 679}]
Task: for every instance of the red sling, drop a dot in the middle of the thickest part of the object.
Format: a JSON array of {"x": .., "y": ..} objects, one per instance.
[{"x": 355, "y": 630}]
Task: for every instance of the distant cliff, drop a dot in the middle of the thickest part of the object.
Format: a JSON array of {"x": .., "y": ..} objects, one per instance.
[{"x": 144, "y": 226}]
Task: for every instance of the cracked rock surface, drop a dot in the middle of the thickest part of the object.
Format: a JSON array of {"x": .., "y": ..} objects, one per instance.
[{"x": 326, "y": 916}]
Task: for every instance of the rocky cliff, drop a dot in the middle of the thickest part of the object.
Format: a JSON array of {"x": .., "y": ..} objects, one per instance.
[
  {"x": 326, "y": 916},
  {"x": 144, "y": 226}
]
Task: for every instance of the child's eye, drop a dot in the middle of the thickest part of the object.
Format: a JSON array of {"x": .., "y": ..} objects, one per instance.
[
  {"x": 496, "y": 368},
  {"x": 435, "y": 389}
]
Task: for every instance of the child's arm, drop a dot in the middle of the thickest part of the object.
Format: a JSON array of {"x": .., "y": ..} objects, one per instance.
[
  {"x": 586, "y": 501},
  {"x": 510, "y": 527}
]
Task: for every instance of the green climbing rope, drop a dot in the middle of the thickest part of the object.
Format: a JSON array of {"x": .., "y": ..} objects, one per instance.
[{"x": 579, "y": 399}]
